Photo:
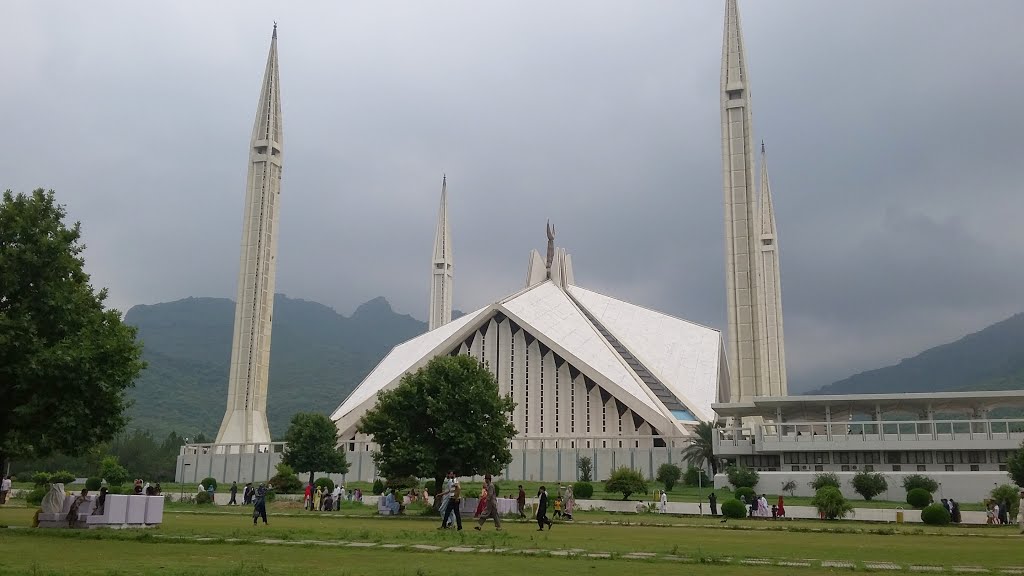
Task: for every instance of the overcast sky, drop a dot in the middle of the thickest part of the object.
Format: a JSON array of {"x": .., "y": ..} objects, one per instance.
[{"x": 893, "y": 131}]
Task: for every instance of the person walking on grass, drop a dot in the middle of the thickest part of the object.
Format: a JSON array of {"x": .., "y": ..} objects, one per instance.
[
  {"x": 663, "y": 505},
  {"x": 234, "y": 493},
  {"x": 713, "y": 500},
  {"x": 491, "y": 507},
  {"x": 1020, "y": 512},
  {"x": 259, "y": 509},
  {"x": 452, "y": 498},
  {"x": 308, "y": 501},
  {"x": 542, "y": 509},
  {"x": 521, "y": 502}
]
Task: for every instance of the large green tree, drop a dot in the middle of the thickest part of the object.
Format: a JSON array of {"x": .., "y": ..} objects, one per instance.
[
  {"x": 701, "y": 448},
  {"x": 446, "y": 416},
  {"x": 1015, "y": 466},
  {"x": 313, "y": 445},
  {"x": 65, "y": 360}
]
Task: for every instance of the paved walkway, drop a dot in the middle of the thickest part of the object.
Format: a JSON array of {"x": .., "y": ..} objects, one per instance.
[{"x": 644, "y": 556}]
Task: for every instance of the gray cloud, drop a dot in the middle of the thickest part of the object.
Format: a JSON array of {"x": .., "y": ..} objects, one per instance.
[{"x": 892, "y": 134}]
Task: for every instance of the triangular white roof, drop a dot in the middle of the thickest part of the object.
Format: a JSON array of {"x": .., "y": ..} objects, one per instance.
[
  {"x": 401, "y": 359},
  {"x": 546, "y": 309},
  {"x": 684, "y": 356}
]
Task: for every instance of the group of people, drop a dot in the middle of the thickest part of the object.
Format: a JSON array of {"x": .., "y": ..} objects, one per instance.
[
  {"x": 148, "y": 489},
  {"x": 324, "y": 500},
  {"x": 999, "y": 513},
  {"x": 758, "y": 506},
  {"x": 487, "y": 508},
  {"x": 954, "y": 509}
]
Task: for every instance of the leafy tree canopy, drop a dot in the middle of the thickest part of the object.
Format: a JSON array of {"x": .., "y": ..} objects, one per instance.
[
  {"x": 1015, "y": 466},
  {"x": 869, "y": 484},
  {"x": 313, "y": 445},
  {"x": 446, "y": 416},
  {"x": 741, "y": 477},
  {"x": 627, "y": 482},
  {"x": 669, "y": 475},
  {"x": 65, "y": 360},
  {"x": 701, "y": 448}
]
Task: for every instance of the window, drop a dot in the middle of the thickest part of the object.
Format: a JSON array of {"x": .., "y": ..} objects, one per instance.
[
  {"x": 976, "y": 468},
  {"x": 556, "y": 398},
  {"x": 1001, "y": 456},
  {"x": 526, "y": 390},
  {"x": 588, "y": 443},
  {"x": 976, "y": 457},
  {"x": 869, "y": 468},
  {"x": 949, "y": 467},
  {"x": 896, "y": 468},
  {"x": 588, "y": 412},
  {"x": 892, "y": 458},
  {"x": 795, "y": 468},
  {"x": 572, "y": 408},
  {"x": 844, "y": 468},
  {"x": 922, "y": 468},
  {"x": 1002, "y": 467},
  {"x": 604, "y": 443},
  {"x": 637, "y": 444},
  {"x": 572, "y": 443},
  {"x": 542, "y": 394},
  {"x": 620, "y": 443},
  {"x": 604, "y": 416},
  {"x": 819, "y": 468}
]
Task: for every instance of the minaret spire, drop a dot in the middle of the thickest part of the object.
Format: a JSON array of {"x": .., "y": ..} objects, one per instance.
[
  {"x": 442, "y": 266},
  {"x": 773, "y": 364},
  {"x": 745, "y": 311},
  {"x": 245, "y": 420}
]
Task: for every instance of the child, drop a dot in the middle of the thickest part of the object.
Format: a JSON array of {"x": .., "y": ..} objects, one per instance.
[{"x": 558, "y": 507}]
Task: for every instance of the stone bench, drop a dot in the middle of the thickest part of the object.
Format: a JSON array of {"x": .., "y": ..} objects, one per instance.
[{"x": 119, "y": 511}]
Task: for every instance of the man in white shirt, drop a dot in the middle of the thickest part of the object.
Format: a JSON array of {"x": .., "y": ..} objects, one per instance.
[
  {"x": 5, "y": 489},
  {"x": 336, "y": 495},
  {"x": 664, "y": 503}
]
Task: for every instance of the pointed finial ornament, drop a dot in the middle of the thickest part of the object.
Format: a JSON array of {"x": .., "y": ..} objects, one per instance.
[
  {"x": 275, "y": 28},
  {"x": 762, "y": 146},
  {"x": 551, "y": 244}
]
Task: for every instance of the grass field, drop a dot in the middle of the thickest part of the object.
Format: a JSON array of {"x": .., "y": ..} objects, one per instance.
[{"x": 298, "y": 542}]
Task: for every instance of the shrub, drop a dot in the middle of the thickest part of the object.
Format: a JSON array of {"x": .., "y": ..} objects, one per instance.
[
  {"x": 823, "y": 479},
  {"x": 41, "y": 478},
  {"x": 790, "y": 487},
  {"x": 378, "y": 487},
  {"x": 35, "y": 497},
  {"x": 733, "y": 508},
  {"x": 920, "y": 481},
  {"x": 204, "y": 498},
  {"x": 586, "y": 467},
  {"x": 869, "y": 484},
  {"x": 1008, "y": 494},
  {"x": 919, "y": 498},
  {"x": 669, "y": 475},
  {"x": 112, "y": 471},
  {"x": 285, "y": 481},
  {"x": 935, "y": 514},
  {"x": 401, "y": 482},
  {"x": 744, "y": 494},
  {"x": 270, "y": 496},
  {"x": 831, "y": 503},
  {"x": 695, "y": 477},
  {"x": 209, "y": 481},
  {"x": 93, "y": 484},
  {"x": 741, "y": 477},
  {"x": 327, "y": 483},
  {"x": 583, "y": 490},
  {"x": 62, "y": 477},
  {"x": 627, "y": 482}
]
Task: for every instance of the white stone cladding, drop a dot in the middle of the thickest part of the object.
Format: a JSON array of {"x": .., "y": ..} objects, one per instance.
[
  {"x": 773, "y": 363},
  {"x": 245, "y": 419},
  {"x": 442, "y": 267}
]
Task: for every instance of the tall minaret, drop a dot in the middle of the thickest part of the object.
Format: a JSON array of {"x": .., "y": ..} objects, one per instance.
[
  {"x": 746, "y": 345},
  {"x": 773, "y": 363},
  {"x": 245, "y": 420},
  {"x": 442, "y": 268}
]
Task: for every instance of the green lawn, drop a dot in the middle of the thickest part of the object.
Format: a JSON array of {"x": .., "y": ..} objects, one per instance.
[{"x": 169, "y": 550}]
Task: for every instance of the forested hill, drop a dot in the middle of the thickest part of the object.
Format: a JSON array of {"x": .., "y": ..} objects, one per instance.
[
  {"x": 991, "y": 359},
  {"x": 318, "y": 356}
]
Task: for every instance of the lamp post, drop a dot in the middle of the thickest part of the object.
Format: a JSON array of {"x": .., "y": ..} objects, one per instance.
[{"x": 183, "y": 468}]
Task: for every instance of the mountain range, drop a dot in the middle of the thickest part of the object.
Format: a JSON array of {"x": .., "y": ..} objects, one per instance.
[{"x": 318, "y": 356}]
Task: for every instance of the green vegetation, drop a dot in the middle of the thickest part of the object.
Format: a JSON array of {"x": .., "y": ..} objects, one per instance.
[
  {"x": 935, "y": 515},
  {"x": 416, "y": 435},
  {"x": 831, "y": 503},
  {"x": 920, "y": 481},
  {"x": 209, "y": 482},
  {"x": 1007, "y": 494},
  {"x": 93, "y": 484},
  {"x": 318, "y": 354},
  {"x": 626, "y": 481},
  {"x": 112, "y": 471},
  {"x": 313, "y": 445},
  {"x": 701, "y": 450},
  {"x": 586, "y": 468},
  {"x": 583, "y": 490},
  {"x": 741, "y": 477},
  {"x": 285, "y": 481},
  {"x": 1015, "y": 466},
  {"x": 696, "y": 477},
  {"x": 327, "y": 483},
  {"x": 744, "y": 494},
  {"x": 869, "y": 484},
  {"x": 378, "y": 487},
  {"x": 823, "y": 479},
  {"x": 668, "y": 475},
  {"x": 59, "y": 345},
  {"x": 733, "y": 508},
  {"x": 991, "y": 359},
  {"x": 919, "y": 498}
]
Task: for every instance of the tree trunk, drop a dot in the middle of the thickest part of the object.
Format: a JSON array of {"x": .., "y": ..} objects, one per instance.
[
  {"x": 438, "y": 481},
  {"x": 310, "y": 477}
]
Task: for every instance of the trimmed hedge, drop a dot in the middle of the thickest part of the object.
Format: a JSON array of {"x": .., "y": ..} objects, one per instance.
[
  {"x": 919, "y": 498},
  {"x": 583, "y": 490},
  {"x": 204, "y": 498},
  {"x": 378, "y": 486},
  {"x": 93, "y": 484},
  {"x": 734, "y": 509},
  {"x": 935, "y": 515},
  {"x": 327, "y": 483},
  {"x": 209, "y": 481},
  {"x": 746, "y": 493},
  {"x": 35, "y": 497}
]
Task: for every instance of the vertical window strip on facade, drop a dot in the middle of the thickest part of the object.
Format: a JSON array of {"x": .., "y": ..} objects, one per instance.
[
  {"x": 541, "y": 420},
  {"x": 588, "y": 412},
  {"x": 572, "y": 408},
  {"x": 526, "y": 391},
  {"x": 556, "y": 398}
]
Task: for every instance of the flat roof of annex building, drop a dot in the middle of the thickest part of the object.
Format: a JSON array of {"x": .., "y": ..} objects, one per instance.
[{"x": 813, "y": 407}]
